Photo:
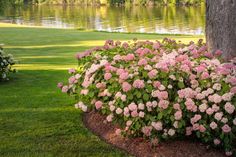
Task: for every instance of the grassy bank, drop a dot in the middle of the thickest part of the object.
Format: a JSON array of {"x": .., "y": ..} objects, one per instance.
[{"x": 35, "y": 118}]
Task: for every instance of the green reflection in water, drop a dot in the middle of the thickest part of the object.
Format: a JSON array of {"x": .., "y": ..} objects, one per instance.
[{"x": 162, "y": 19}]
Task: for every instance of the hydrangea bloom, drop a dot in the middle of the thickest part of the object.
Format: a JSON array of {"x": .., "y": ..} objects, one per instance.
[
  {"x": 138, "y": 84},
  {"x": 126, "y": 86}
]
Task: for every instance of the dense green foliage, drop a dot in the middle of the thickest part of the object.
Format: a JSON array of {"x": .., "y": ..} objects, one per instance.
[
  {"x": 132, "y": 2},
  {"x": 36, "y": 119}
]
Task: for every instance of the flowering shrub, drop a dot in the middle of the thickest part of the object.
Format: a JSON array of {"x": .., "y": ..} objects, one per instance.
[
  {"x": 6, "y": 62},
  {"x": 159, "y": 90}
]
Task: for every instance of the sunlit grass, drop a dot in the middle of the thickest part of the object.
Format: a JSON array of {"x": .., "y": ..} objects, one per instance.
[
  {"x": 44, "y": 67},
  {"x": 36, "y": 119},
  {"x": 89, "y": 43}
]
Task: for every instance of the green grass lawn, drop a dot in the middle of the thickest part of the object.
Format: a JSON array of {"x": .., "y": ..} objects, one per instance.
[{"x": 36, "y": 119}]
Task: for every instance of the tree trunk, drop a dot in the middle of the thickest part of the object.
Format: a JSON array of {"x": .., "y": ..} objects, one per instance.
[{"x": 221, "y": 27}]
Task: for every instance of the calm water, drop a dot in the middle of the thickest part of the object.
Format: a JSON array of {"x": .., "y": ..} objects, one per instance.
[{"x": 177, "y": 20}]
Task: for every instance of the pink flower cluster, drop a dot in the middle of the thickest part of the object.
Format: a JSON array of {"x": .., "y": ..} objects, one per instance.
[
  {"x": 138, "y": 84},
  {"x": 126, "y": 86}
]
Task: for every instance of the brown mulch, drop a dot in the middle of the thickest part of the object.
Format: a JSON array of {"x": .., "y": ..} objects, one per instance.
[{"x": 142, "y": 148}]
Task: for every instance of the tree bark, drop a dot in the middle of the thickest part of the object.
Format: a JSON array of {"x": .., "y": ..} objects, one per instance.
[{"x": 221, "y": 27}]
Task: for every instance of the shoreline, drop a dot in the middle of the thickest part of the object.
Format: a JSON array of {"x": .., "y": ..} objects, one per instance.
[
  {"x": 148, "y": 4},
  {"x": 108, "y": 5},
  {"x": 5, "y": 24}
]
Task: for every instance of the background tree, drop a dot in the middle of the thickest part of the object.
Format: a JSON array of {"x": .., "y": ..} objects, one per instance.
[{"x": 221, "y": 26}]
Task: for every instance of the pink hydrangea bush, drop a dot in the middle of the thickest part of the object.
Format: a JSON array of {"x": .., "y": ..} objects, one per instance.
[{"x": 159, "y": 90}]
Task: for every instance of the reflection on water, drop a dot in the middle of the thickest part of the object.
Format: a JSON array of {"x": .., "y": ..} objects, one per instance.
[{"x": 171, "y": 19}]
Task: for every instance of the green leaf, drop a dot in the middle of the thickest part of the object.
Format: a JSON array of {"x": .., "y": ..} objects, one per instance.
[
  {"x": 163, "y": 74},
  {"x": 105, "y": 98},
  {"x": 121, "y": 105},
  {"x": 180, "y": 124},
  {"x": 160, "y": 115},
  {"x": 103, "y": 112},
  {"x": 225, "y": 88},
  {"x": 138, "y": 94},
  {"x": 152, "y": 118},
  {"x": 181, "y": 85},
  {"x": 145, "y": 74},
  {"x": 226, "y": 140},
  {"x": 145, "y": 97},
  {"x": 222, "y": 135},
  {"x": 91, "y": 94},
  {"x": 198, "y": 134},
  {"x": 165, "y": 83},
  {"x": 130, "y": 96},
  {"x": 115, "y": 85},
  {"x": 137, "y": 126},
  {"x": 149, "y": 88}
]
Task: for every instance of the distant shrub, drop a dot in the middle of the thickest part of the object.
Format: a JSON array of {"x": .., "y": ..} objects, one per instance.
[
  {"x": 159, "y": 90},
  {"x": 6, "y": 62}
]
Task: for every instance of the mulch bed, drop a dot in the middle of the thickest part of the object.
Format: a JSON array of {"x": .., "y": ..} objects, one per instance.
[{"x": 142, "y": 148}]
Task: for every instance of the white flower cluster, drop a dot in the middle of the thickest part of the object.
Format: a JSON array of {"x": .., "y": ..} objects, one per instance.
[{"x": 6, "y": 61}]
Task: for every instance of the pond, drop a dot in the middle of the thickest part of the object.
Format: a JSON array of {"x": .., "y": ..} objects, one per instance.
[{"x": 162, "y": 19}]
